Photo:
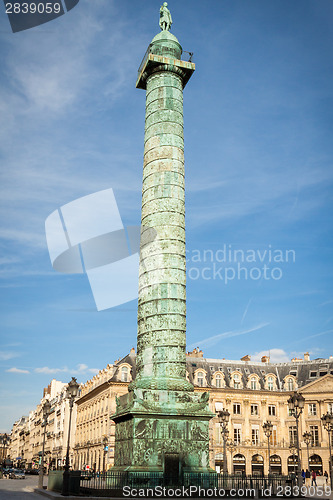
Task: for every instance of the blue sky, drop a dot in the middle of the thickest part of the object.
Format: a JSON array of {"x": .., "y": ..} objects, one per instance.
[{"x": 258, "y": 152}]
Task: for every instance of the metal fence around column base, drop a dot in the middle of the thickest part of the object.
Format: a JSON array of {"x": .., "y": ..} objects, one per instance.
[{"x": 112, "y": 483}]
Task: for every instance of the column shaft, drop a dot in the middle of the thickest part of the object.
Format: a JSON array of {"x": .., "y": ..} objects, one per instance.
[{"x": 162, "y": 277}]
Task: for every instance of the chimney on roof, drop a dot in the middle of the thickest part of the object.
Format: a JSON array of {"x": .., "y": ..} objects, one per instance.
[
  {"x": 306, "y": 356},
  {"x": 196, "y": 353},
  {"x": 247, "y": 357},
  {"x": 265, "y": 359},
  {"x": 47, "y": 390},
  {"x": 132, "y": 351}
]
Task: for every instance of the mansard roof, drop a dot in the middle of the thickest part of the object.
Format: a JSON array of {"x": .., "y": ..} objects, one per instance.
[
  {"x": 305, "y": 372},
  {"x": 129, "y": 359}
]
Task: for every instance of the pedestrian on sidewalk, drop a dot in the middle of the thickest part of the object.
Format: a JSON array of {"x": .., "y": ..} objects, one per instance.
[
  {"x": 313, "y": 478},
  {"x": 303, "y": 475},
  {"x": 307, "y": 477}
]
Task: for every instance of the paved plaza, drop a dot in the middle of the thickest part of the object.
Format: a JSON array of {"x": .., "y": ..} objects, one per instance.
[{"x": 20, "y": 489}]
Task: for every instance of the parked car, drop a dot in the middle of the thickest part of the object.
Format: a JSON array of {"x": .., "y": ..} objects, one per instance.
[
  {"x": 31, "y": 471},
  {"x": 17, "y": 474},
  {"x": 6, "y": 471}
]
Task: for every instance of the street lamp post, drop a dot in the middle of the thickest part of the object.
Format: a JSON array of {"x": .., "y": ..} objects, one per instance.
[
  {"x": 232, "y": 448},
  {"x": 296, "y": 406},
  {"x": 293, "y": 452},
  {"x": 46, "y": 410},
  {"x": 268, "y": 430},
  {"x": 105, "y": 449},
  {"x": 327, "y": 420},
  {"x": 307, "y": 440},
  {"x": 223, "y": 416},
  {"x": 72, "y": 391}
]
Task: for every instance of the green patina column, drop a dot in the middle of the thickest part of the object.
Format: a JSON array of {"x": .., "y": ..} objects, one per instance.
[
  {"x": 162, "y": 421},
  {"x": 162, "y": 278}
]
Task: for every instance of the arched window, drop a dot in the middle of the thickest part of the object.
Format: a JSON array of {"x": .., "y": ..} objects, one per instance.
[
  {"x": 236, "y": 381},
  {"x": 253, "y": 383},
  {"x": 270, "y": 383},
  {"x": 124, "y": 374},
  {"x": 200, "y": 379},
  {"x": 290, "y": 384},
  {"x": 218, "y": 381}
]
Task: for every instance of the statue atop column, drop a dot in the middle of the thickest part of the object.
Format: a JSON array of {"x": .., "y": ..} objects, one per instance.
[{"x": 165, "y": 18}]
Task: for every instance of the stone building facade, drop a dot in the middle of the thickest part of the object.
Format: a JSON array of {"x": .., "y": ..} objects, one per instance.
[
  {"x": 256, "y": 392},
  {"x": 95, "y": 432},
  {"x": 27, "y": 434},
  {"x": 17, "y": 449},
  {"x": 253, "y": 392},
  {"x": 57, "y": 430}
]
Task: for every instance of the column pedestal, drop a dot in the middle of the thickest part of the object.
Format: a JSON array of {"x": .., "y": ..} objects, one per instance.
[{"x": 150, "y": 425}]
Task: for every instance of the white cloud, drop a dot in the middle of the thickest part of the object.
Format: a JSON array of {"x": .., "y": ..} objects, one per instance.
[
  {"x": 46, "y": 369},
  {"x": 8, "y": 260},
  {"x": 52, "y": 75},
  {"x": 6, "y": 355},
  {"x": 79, "y": 370},
  {"x": 93, "y": 370},
  {"x": 326, "y": 332},
  {"x": 198, "y": 185},
  {"x": 17, "y": 370},
  {"x": 320, "y": 334},
  {"x": 24, "y": 237},
  {"x": 276, "y": 355},
  {"x": 240, "y": 194},
  {"x": 19, "y": 272},
  {"x": 245, "y": 310},
  {"x": 327, "y": 302},
  {"x": 234, "y": 333},
  {"x": 82, "y": 367},
  {"x": 45, "y": 82}
]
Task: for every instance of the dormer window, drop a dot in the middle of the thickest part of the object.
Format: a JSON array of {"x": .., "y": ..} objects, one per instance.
[
  {"x": 236, "y": 381},
  {"x": 253, "y": 383},
  {"x": 218, "y": 381},
  {"x": 124, "y": 374},
  {"x": 270, "y": 383},
  {"x": 200, "y": 379},
  {"x": 290, "y": 384}
]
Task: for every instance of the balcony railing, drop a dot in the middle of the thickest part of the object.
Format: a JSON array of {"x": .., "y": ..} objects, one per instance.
[
  {"x": 166, "y": 50},
  {"x": 249, "y": 444}
]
